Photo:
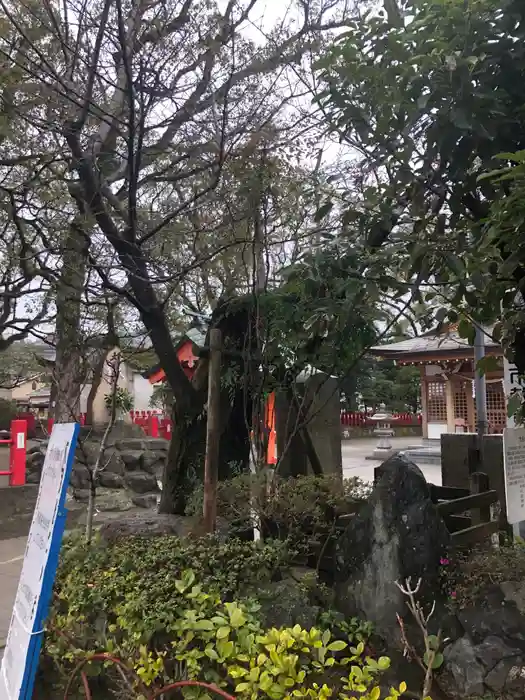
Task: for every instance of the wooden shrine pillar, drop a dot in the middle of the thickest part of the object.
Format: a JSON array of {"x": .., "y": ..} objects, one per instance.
[{"x": 424, "y": 402}]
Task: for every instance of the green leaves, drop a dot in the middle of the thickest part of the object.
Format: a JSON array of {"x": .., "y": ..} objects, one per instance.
[
  {"x": 323, "y": 211},
  {"x": 514, "y": 404},
  {"x": 489, "y": 363}
]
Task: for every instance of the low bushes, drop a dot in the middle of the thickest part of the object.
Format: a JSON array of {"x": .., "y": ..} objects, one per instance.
[
  {"x": 295, "y": 509},
  {"x": 173, "y": 610}
]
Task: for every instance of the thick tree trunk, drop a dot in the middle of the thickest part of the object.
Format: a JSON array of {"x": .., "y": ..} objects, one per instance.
[
  {"x": 96, "y": 379},
  {"x": 185, "y": 465},
  {"x": 70, "y": 369},
  {"x": 184, "y": 470}
]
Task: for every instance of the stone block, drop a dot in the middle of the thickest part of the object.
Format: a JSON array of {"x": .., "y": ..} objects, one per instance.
[
  {"x": 156, "y": 444},
  {"x": 110, "y": 480},
  {"x": 145, "y": 500},
  {"x": 132, "y": 460},
  {"x": 151, "y": 461},
  {"x": 80, "y": 476},
  {"x": 131, "y": 445},
  {"x": 140, "y": 482}
]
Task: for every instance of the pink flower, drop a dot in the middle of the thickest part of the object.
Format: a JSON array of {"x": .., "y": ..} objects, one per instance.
[
  {"x": 453, "y": 594},
  {"x": 443, "y": 561}
]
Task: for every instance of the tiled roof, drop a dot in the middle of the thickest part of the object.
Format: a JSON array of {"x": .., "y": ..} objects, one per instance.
[{"x": 429, "y": 343}]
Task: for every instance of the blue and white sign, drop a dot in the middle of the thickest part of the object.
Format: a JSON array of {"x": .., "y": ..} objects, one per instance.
[{"x": 24, "y": 640}]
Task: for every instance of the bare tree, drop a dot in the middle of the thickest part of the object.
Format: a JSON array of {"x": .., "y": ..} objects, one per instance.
[{"x": 139, "y": 108}]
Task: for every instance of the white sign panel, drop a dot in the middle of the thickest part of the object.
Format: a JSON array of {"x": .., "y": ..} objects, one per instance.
[
  {"x": 511, "y": 382},
  {"x": 39, "y": 559},
  {"x": 514, "y": 454}
]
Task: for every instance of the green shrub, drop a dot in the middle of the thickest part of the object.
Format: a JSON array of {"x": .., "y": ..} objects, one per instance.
[
  {"x": 8, "y": 412},
  {"x": 295, "y": 509},
  {"x": 137, "y": 601},
  {"x": 468, "y": 575}
]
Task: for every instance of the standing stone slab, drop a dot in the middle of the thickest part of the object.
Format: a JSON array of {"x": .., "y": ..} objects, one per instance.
[{"x": 398, "y": 534}]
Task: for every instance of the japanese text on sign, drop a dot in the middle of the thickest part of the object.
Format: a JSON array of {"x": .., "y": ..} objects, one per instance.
[
  {"x": 514, "y": 453},
  {"x": 38, "y": 569}
]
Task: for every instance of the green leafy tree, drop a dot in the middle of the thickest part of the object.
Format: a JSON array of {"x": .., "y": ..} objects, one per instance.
[
  {"x": 430, "y": 95},
  {"x": 383, "y": 382}
]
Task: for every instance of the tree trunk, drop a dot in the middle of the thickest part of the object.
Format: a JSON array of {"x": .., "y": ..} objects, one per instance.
[
  {"x": 96, "y": 379},
  {"x": 70, "y": 370},
  {"x": 185, "y": 466}
]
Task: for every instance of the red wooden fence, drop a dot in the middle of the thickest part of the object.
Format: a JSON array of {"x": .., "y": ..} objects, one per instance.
[
  {"x": 156, "y": 424},
  {"x": 364, "y": 420},
  {"x": 153, "y": 423}
]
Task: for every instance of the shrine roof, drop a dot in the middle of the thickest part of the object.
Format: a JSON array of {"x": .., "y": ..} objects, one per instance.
[{"x": 437, "y": 344}]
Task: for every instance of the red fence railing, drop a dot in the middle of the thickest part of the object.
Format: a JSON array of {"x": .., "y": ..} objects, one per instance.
[
  {"x": 359, "y": 419},
  {"x": 157, "y": 424},
  {"x": 17, "y": 443},
  {"x": 153, "y": 423}
]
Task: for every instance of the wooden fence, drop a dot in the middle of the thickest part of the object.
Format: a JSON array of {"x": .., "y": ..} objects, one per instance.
[{"x": 467, "y": 512}]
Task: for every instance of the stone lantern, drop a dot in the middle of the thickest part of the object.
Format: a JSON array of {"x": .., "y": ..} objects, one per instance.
[{"x": 384, "y": 432}]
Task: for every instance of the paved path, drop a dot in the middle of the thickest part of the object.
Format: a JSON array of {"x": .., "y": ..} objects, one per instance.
[
  {"x": 356, "y": 451},
  {"x": 11, "y": 556}
]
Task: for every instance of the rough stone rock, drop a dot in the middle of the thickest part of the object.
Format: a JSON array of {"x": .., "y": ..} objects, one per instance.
[
  {"x": 80, "y": 495},
  {"x": 122, "y": 430},
  {"x": 505, "y": 622},
  {"x": 285, "y": 604},
  {"x": 35, "y": 459},
  {"x": 111, "y": 480},
  {"x": 398, "y": 534},
  {"x": 497, "y": 678},
  {"x": 151, "y": 461},
  {"x": 106, "y": 499},
  {"x": 145, "y": 525},
  {"x": 33, "y": 477},
  {"x": 157, "y": 444},
  {"x": 140, "y": 482},
  {"x": 514, "y": 688},
  {"x": 111, "y": 500},
  {"x": 466, "y": 671},
  {"x": 492, "y": 650},
  {"x": 145, "y": 500},
  {"x": 131, "y": 444},
  {"x": 113, "y": 463},
  {"x": 514, "y": 591},
  {"x": 80, "y": 476},
  {"x": 87, "y": 452},
  {"x": 132, "y": 459}
]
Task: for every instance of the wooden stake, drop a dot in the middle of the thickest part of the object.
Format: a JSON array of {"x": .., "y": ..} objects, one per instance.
[{"x": 211, "y": 461}]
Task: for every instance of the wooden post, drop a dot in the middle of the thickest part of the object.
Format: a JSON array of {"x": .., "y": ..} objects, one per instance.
[
  {"x": 451, "y": 412},
  {"x": 211, "y": 461},
  {"x": 424, "y": 400},
  {"x": 479, "y": 483}
]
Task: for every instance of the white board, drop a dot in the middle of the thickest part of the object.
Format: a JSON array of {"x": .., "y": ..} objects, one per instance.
[
  {"x": 514, "y": 460},
  {"x": 511, "y": 382},
  {"x": 39, "y": 567}
]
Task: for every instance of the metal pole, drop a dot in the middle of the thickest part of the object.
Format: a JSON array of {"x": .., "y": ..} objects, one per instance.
[{"x": 480, "y": 383}]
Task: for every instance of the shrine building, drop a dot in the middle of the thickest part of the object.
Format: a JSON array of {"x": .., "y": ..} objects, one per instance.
[{"x": 446, "y": 363}]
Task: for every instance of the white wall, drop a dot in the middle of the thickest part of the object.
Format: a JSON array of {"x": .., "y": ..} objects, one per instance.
[{"x": 142, "y": 392}]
